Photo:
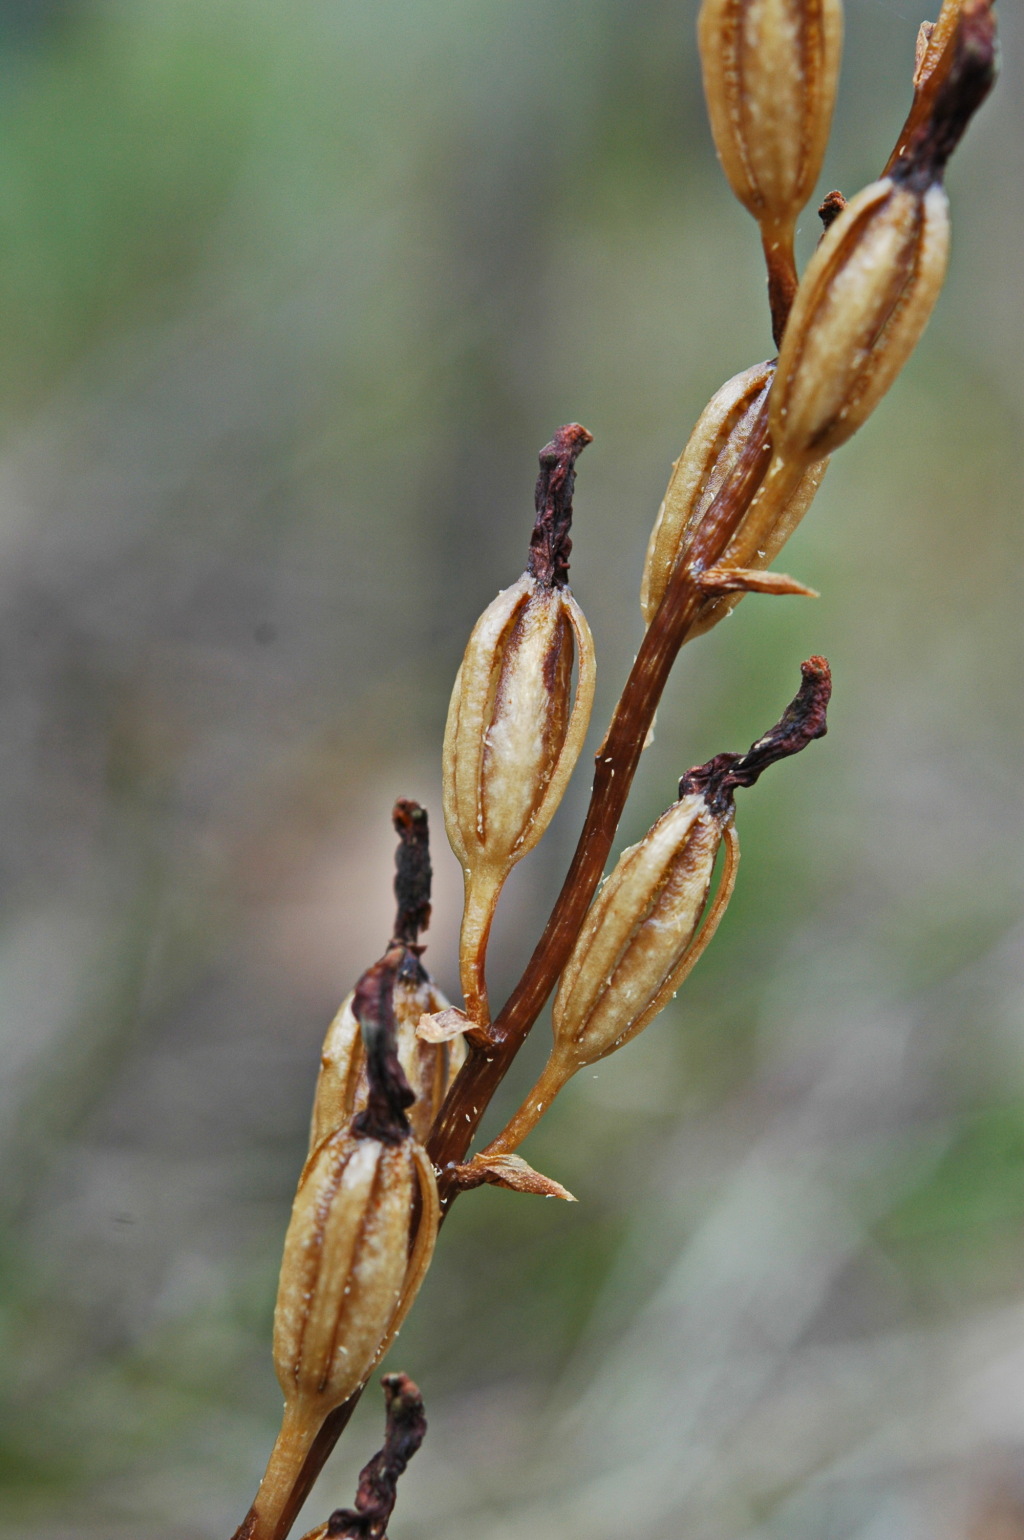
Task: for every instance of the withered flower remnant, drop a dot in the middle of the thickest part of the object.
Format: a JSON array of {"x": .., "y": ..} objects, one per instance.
[
  {"x": 429, "y": 1067},
  {"x": 964, "y": 28},
  {"x": 375, "y": 1499},
  {"x": 515, "y": 727}
]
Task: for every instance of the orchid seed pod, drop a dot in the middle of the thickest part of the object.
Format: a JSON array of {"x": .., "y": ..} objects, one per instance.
[
  {"x": 650, "y": 922},
  {"x": 358, "y": 1246},
  {"x": 771, "y": 68},
  {"x": 643, "y": 933},
  {"x": 342, "y": 1086},
  {"x": 859, "y": 311},
  {"x": 514, "y": 728},
  {"x": 710, "y": 457},
  {"x": 870, "y": 287},
  {"x": 347, "y": 1277}
]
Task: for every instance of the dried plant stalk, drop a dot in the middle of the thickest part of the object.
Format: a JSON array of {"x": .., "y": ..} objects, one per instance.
[{"x": 368, "y": 1207}]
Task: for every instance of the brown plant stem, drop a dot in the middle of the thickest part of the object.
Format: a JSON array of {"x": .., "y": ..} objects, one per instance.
[{"x": 780, "y": 260}]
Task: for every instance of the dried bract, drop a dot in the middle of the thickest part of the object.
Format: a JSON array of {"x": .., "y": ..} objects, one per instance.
[
  {"x": 512, "y": 1173},
  {"x": 515, "y": 729}
]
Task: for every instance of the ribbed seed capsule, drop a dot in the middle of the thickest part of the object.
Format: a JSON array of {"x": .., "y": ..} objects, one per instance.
[
  {"x": 360, "y": 1239},
  {"x": 514, "y": 729},
  {"x": 710, "y": 457},
  {"x": 869, "y": 289},
  {"x": 770, "y": 73},
  {"x": 638, "y": 940},
  {"x": 859, "y": 311},
  {"x": 347, "y": 1276},
  {"x": 650, "y": 921}
]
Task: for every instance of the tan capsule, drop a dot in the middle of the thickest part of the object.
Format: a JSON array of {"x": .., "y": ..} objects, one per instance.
[
  {"x": 770, "y": 73},
  {"x": 514, "y": 729},
  {"x": 514, "y": 734},
  {"x": 643, "y": 933},
  {"x": 650, "y": 921},
  {"x": 638, "y": 940},
  {"x": 429, "y": 1067},
  {"x": 348, "y": 1275},
  {"x": 710, "y": 457},
  {"x": 861, "y": 306},
  {"x": 359, "y": 1242}
]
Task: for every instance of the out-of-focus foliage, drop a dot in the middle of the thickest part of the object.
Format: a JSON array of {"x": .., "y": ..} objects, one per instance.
[{"x": 290, "y": 296}]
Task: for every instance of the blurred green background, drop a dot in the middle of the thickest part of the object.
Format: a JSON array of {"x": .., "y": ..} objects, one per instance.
[{"x": 290, "y": 297}]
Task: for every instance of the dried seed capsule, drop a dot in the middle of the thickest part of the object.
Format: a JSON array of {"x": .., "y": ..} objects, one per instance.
[
  {"x": 649, "y": 922},
  {"x": 345, "y": 1277},
  {"x": 870, "y": 286},
  {"x": 514, "y": 730},
  {"x": 710, "y": 457},
  {"x": 638, "y": 940},
  {"x": 355, "y": 1252},
  {"x": 359, "y": 1242},
  {"x": 770, "y": 73},
  {"x": 859, "y": 311}
]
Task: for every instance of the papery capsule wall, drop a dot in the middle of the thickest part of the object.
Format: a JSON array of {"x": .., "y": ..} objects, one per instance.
[
  {"x": 859, "y": 311},
  {"x": 627, "y": 961},
  {"x": 770, "y": 74}
]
